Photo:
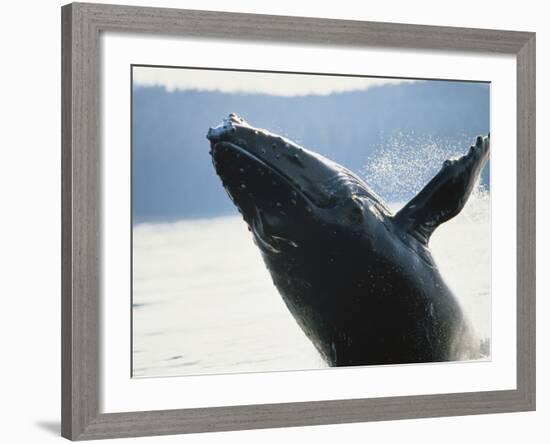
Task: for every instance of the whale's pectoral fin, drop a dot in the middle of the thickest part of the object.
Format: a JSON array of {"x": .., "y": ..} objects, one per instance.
[{"x": 445, "y": 195}]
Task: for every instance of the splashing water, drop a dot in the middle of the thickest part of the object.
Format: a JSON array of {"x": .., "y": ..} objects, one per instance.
[{"x": 407, "y": 161}]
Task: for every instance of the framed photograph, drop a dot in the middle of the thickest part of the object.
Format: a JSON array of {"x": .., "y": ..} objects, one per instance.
[{"x": 277, "y": 221}]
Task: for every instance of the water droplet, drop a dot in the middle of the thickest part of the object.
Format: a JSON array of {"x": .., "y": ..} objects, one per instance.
[
  {"x": 279, "y": 204},
  {"x": 292, "y": 201},
  {"x": 241, "y": 170},
  {"x": 277, "y": 156},
  {"x": 262, "y": 151},
  {"x": 293, "y": 193},
  {"x": 308, "y": 209},
  {"x": 243, "y": 186}
]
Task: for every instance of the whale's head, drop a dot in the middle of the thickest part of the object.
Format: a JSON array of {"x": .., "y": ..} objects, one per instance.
[{"x": 283, "y": 191}]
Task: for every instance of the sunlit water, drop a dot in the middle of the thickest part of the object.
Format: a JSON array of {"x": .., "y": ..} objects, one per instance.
[{"x": 205, "y": 303}]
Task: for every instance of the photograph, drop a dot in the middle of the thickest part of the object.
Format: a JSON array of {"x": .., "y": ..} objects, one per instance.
[{"x": 286, "y": 221}]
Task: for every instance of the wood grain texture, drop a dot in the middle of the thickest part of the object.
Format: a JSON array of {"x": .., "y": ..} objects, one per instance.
[
  {"x": 526, "y": 221},
  {"x": 81, "y": 222},
  {"x": 66, "y": 223},
  {"x": 259, "y": 27},
  {"x": 81, "y": 233},
  {"x": 120, "y": 425}
]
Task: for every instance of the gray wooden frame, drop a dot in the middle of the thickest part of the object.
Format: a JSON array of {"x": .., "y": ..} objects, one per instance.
[{"x": 81, "y": 234}]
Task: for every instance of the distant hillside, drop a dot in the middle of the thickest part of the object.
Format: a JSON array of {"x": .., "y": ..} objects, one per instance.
[{"x": 173, "y": 176}]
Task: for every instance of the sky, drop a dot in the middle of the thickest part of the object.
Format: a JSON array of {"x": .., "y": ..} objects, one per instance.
[{"x": 253, "y": 82}]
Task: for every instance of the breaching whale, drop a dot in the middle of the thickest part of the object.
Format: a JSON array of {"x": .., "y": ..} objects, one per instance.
[{"x": 359, "y": 280}]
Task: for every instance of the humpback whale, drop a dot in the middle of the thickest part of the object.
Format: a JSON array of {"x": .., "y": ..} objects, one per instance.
[{"x": 359, "y": 280}]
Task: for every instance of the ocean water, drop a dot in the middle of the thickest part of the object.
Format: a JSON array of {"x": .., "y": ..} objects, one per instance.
[{"x": 204, "y": 303}]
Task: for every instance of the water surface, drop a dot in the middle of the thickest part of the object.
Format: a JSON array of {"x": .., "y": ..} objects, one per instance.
[{"x": 204, "y": 302}]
